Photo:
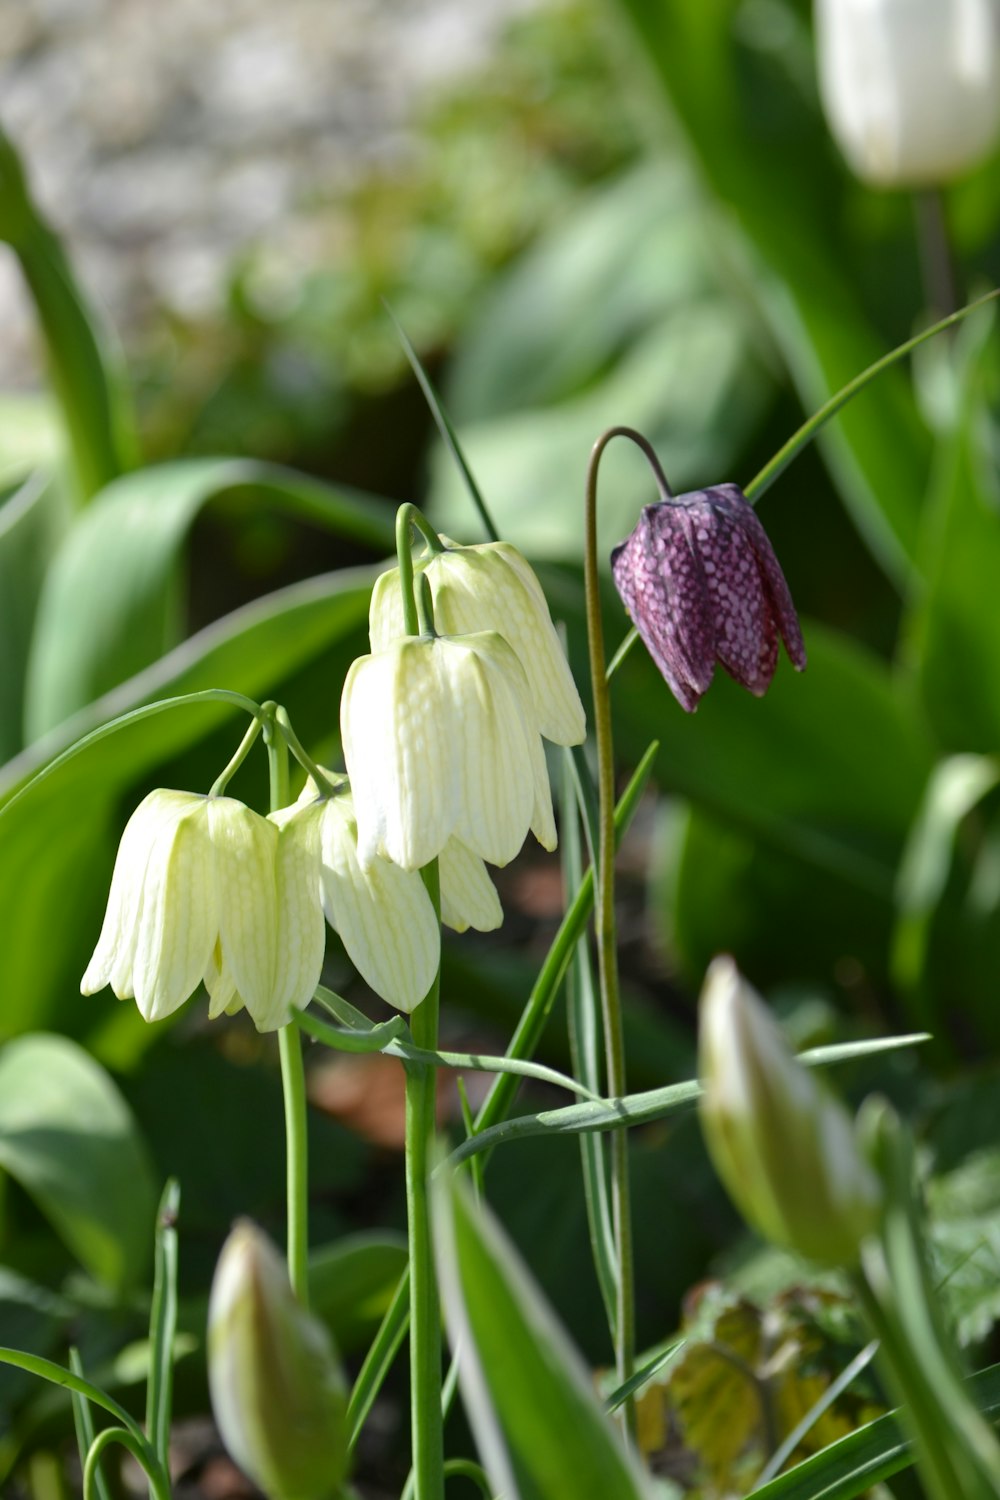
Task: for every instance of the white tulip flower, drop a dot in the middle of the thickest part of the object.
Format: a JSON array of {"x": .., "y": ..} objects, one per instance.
[
  {"x": 783, "y": 1146},
  {"x": 491, "y": 586},
  {"x": 278, "y": 1393},
  {"x": 192, "y": 899},
  {"x": 911, "y": 88},
  {"x": 383, "y": 914},
  {"x": 441, "y": 740}
]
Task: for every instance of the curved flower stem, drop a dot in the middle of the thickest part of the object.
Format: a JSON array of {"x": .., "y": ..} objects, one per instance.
[
  {"x": 293, "y": 1078},
  {"x": 222, "y": 781},
  {"x": 306, "y": 761},
  {"x": 425, "y": 1312},
  {"x": 607, "y": 957},
  {"x": 406, "y": 516}
]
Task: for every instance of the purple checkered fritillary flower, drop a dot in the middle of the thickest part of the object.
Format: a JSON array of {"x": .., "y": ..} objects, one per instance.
[{"x": 702, "y": 584}]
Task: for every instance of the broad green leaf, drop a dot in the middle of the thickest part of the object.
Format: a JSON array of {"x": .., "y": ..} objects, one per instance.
[
  {"x": 955, "y": 629},
  {"x": 69, "y": 1139},
  {"x": 113, "y": 600},
  {"x": 539, "y": 1429},
  {"x": 955, "y": 788},
  {"x": 741, "y": 81},
  {"x": 829, "y": 767},
  {"x": 57, "y": 842},
  {"x": 84, "y": 363},
  {"x": 618, "y": 312},
  {"x": 351, "y": 1284},
  {"x": 33, "y": 516}
]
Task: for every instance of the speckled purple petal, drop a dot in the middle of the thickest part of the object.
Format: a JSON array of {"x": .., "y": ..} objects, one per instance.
[
  {"x": 662, "y": 586},
  {"x": 741, "y": 611},
  {"x": 730, "y": 499},
  {"x": 701, "y": 582}
]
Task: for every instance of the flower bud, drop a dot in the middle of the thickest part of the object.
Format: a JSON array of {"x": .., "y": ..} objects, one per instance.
[
  {"x": 783, "y": 1146},
  {"x": 911, "y": 88},
  {"x": 278, "y": 1393},
  {"x": 701, "y": 583}
]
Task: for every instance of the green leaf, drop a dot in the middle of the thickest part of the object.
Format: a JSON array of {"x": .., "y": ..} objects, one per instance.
[
  {"x": 652, "y": 1104},
  {"x": 57, "y": 842},
  {"x": 569, "y": 336},
  {"x": 955, "y": 788},
  {"x": 84, "y": 364},
  {"x": 830, "y": 767},
  {"x": 69, "y": 1139},
  {"x": 954, "y": 627},
  {"x": 113, "y": 600},
  {"x": 747, "y": 102},
  {"x": 352, "y": 1282},
  {"x": 33, "y": 516},
  {"x": 539, "y": 1429}
]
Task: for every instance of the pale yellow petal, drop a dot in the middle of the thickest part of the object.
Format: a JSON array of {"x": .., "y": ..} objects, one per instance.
[
  {"x": 178, "y": 917},
  {"x": 401, "y": 743},
  {"x": 114, "y": 955},
  {"x": 383, "y": 914},
  {"x": 468, "y": 895},
  {"x": 385, "y": 612},
  {"x": 301, "y": 938},
  {"x": 223, "y": 995},
  {"x": 245, "y": 846},
  {"x": 492, "y": 587},
  {"x": 495, "y": 744}
]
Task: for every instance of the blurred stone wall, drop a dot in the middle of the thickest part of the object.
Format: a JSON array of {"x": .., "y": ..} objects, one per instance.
[{"x": 164, "y": 135}]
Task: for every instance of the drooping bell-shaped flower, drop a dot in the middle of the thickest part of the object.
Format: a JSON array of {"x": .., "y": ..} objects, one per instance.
[
  {"x": 192, "y": 899},
  {"x": 491, "y": 586},
  {"x": 279, "y": 1396},
  {"x": 468, "y": 895},
  {"x": 911, "y": 88},
  {"x": 383, "y": 914},
  {"x": 701, "y": 582},
  {"x": 782, "y": 1144},
  {"x": 441, "y": 740}
]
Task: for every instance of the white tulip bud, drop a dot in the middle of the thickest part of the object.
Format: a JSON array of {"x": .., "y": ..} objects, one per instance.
[{"x": 911, "y": 88}]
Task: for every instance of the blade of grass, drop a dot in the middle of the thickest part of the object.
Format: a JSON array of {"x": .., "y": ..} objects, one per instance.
[
  {"x": 83, "y": 1425},
  {"x": 163, "y": 1324},
  {"x": 584, "y": 1044}
]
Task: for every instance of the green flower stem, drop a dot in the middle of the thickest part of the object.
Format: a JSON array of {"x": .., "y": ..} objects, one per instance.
[
  {"x": 937, "y": 256},
  {"x": 246, "y": 743},
  {"x": 406, "y": 516},
  {"x": 306, "y": 761},
  {"x": 604, "y": 909},
  {"x": 425, "y": 1312},
  {"x": 293, "y": 1076},
  {"x": 911, "y": 1386}
]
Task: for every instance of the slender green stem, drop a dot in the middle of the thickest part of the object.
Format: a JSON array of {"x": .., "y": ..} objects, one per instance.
[
  {"x": 466, "y": 1469},
  {"x": 293, "y": 1077},
  {"x": 378, "y": 1361},
  {"x": 293, "y": 1083},
  {"x": 805, "y": 434},
  {"x": 917, "y": 1396},
  {"x": 406, "y": 516},
  {"x": 425, "y": 1312},
  {"x": 937, "y": 256},
  {"x": 246, "y": 743},
  {"x": 319, "y": 776},
  {"x": 83, "y": 1423},
  {"x": 607, "y": 957}
]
